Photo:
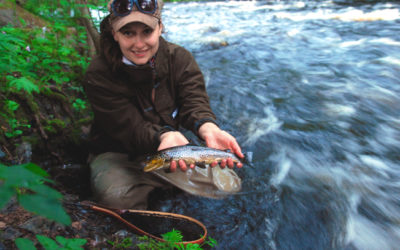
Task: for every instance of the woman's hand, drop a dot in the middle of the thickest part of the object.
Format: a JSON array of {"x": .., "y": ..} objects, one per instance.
[
  {"x": 220, "y": 139},
  {"x": 172, "y": 139}
]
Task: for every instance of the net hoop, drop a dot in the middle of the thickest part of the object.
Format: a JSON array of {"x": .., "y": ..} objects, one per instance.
[{"x": 116, "y": 213}]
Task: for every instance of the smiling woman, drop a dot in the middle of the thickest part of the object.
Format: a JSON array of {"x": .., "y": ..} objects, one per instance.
[
  {"x": 142, "y": 90},
  {"x": 138, "y": 42}
]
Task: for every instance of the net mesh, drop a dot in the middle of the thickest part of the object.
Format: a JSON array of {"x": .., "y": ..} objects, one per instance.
[{"x": 158, "y": 224}]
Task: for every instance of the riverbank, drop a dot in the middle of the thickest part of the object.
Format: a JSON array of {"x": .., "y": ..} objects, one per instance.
[{"x": 100, "y": 231}]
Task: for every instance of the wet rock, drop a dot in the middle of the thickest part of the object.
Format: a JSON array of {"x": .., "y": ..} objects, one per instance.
[
  {"x": 10, "y": 206},
  {"x": 40, "y": 225},
  {"x": 211, "y": 29},
  {"x": 24, "y": 152},
  {"x": 216, "y": 44},
  {"x": 121, "y": 233},
  {"x": 98, "y": 240},
  {"x": 77, "y": 225},
  {"x": 2, "y": 154},
  {"x": 7, "y": 17},
  {"x": 35, "y": 225},
  {"x": 71, "y": 198},
  {"x": 10, "y": 233}
]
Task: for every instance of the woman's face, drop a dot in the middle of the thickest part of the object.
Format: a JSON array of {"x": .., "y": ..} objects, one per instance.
[{"x": 138, "y": 42}]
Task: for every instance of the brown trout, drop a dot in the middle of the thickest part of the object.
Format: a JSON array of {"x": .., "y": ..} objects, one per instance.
[{"x": 197, "y": 155}]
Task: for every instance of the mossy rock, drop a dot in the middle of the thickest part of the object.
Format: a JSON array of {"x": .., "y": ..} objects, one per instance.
[{"x": 11, "y": 13}]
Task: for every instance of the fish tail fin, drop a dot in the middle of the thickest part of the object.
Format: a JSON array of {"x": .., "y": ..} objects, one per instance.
[
  {"x": 154, "y": 164},
  {"x": 248, "y": 158}
]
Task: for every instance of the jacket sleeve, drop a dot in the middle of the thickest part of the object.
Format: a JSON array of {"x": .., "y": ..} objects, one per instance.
[
  {"x": 192, "y": 95},
  {"x": 117, "y": 117}
]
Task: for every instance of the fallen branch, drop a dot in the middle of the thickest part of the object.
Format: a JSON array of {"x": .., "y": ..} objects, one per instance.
[{"x": 9, "y": 155}]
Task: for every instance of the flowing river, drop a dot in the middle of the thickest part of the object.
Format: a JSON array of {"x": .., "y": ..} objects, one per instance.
[{"x": 313, "y": 90}]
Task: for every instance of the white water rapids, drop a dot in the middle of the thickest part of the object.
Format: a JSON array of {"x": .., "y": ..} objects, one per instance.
[{"x": 313, "y": 89}]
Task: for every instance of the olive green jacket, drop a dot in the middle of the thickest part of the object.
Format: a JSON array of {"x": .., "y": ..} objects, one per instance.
[{"x": 125, "y": 118}]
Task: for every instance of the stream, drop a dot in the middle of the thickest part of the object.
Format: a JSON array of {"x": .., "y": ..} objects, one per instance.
[{"x": 312, "y": 89}]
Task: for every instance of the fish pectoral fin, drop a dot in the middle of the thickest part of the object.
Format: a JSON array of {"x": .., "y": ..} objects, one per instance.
[{"x": 153, "y": 165}]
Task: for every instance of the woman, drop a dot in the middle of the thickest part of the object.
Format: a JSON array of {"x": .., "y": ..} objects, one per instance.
[{"x": 142, "y": 89}]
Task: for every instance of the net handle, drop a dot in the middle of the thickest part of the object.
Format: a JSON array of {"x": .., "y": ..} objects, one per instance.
[{"x": 116, "y": 213}]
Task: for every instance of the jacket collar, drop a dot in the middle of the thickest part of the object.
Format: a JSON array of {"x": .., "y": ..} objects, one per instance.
[{"x": 143, "y": 73}]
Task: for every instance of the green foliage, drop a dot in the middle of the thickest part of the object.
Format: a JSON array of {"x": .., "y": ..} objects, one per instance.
[
  {"x": 53, "y": 126},
  {"x": 125, "y": 243},
  {"x": 65, "y": 11},
  {"x": 172, "y": 238},
  {"x": 34, "y": 58},
  {"x": 211, "y": 242},
  {"x": 47, "y": 243},
  {"x": 24, "y": 244},
  {"x": 40, "y": 56},
  {"x": 22, "y": 84},
  {"x": 79, "y": 105},
  {"x": 60, "y": 243},
  {"x": 11, "y": 106},
  {"x": 15, "y": 126},
  {"x": 27, "y": 183}
]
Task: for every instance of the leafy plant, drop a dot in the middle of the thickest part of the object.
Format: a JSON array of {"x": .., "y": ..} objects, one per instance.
[
  {"x": 47, "y": 243},
  {"x": 125, "y": 243},
  {"x": 14, "y": 125},
  {"x": 79, "y": 104},
  {"x": 11, "y": 106},
  {"x": 22, "y": 83},
  {"x": 41, "y": 60},
  {"x": 172, "y": 238},
  {"x": 28, "y": 183}
]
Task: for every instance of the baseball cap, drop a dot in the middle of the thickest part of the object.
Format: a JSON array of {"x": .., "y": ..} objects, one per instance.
[{"x": 151, "y": 20}]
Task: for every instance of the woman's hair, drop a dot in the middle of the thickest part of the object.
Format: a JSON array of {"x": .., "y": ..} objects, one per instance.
[{"x": 108, "y": 46}]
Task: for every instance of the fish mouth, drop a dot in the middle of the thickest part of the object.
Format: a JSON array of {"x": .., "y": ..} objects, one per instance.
[{"x": 153, "y": 164}]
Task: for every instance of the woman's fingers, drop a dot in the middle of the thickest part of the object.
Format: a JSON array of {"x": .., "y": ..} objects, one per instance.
[
  {"x": 213, "y": 164},
  {"x": 227, "y": 163},
  {"x": 173, "y": 166},
  {"x": 230, "y": 163},
  {"x": 224, "y": 163},
  {"x": 182, "y": 165}
]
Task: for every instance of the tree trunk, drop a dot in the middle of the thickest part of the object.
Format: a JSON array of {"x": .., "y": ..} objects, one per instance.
[{"x": 93, "y": 33}]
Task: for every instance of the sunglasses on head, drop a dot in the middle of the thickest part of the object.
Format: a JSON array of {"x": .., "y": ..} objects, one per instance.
[{"x": 124, "y": 7}]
